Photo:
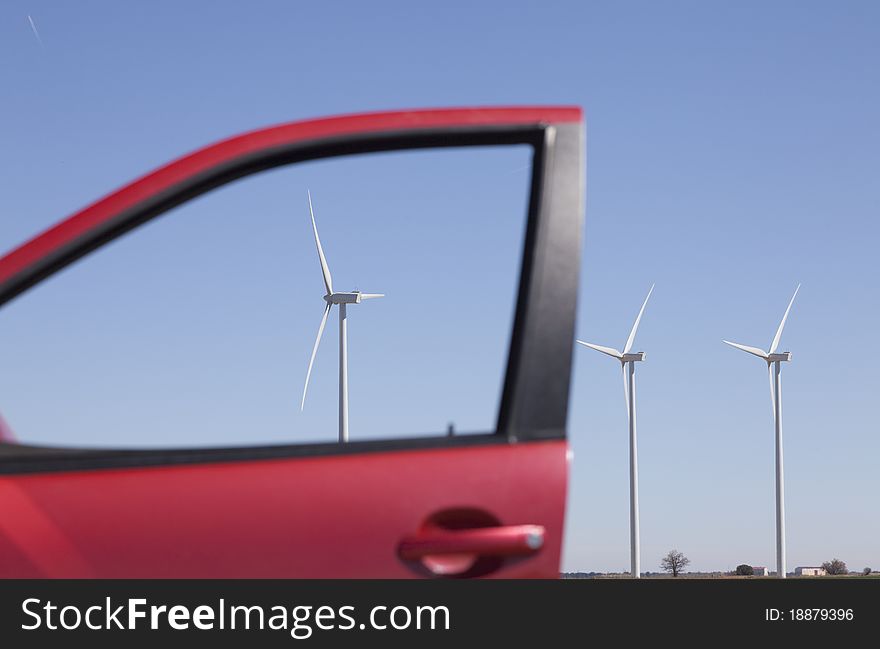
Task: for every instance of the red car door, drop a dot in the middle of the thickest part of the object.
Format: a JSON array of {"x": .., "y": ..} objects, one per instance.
[{"x": 468, "y": 506}]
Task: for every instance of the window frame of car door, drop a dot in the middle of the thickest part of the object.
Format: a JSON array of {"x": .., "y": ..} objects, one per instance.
[{"x": 535, "y": 392}]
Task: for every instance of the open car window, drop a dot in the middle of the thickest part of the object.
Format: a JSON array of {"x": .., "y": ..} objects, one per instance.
[{"x": 197, "y": 328}]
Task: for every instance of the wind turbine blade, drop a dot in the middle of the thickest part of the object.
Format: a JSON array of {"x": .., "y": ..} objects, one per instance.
[
  {"x": 325, "y": 270},
  {"x": 772, "y": 391},
  {"x": 370, "y": 296},
  {"x": 746, "y": 348},
  {"x": 778, "y": 335},
  {"x": 632, "y": 334},
  {"x": 315, "y": 351},
  {"x": 604, "y": 350},
  {"x": 625, "y": 389}
]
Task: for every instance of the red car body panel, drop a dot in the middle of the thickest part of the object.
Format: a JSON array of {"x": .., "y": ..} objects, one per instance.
[
  {"x": 335, "y": 516},
  {"x": 6, "y": 434},
  {"x": 357, "y": 510}
]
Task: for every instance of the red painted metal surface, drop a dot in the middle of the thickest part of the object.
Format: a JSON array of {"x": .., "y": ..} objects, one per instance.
[
  {"x": 331, "y": 516},
  {"x": 6, "y": 434},
  {"x": 225, "y": 151}
]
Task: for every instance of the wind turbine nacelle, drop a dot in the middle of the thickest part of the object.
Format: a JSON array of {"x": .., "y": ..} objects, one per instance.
[
  {"x": 344, "y": 298},
  {"x": 633, "y": 356},
  {"x": 781, "y": 356}
]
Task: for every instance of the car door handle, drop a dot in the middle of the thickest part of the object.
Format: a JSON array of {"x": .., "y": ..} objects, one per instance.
[{"x": 506, "y": 541}]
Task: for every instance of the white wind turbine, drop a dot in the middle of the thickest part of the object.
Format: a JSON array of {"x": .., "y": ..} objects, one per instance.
[
  {"x": 774, "y": 360},
  {"x": 341, "y": 299},
  {"x": 628, "y": 364}
]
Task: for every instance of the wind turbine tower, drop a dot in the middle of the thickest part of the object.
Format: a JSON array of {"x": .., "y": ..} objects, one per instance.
[
  {"x": 628, "y": 362},
  {"x": 774, "y": 361},
  {"x": 341, "y": 299}
]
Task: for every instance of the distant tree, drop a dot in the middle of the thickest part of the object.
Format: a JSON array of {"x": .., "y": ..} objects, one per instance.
[
  {"x": 745, "y": 570},
  {"x": 835, "y": 567},
  {"x": 674, "y": 562},
  {"x": 866, "y": 572}
]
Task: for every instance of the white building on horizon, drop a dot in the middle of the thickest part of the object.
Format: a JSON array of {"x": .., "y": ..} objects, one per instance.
[{"x": 809, "y": 571}]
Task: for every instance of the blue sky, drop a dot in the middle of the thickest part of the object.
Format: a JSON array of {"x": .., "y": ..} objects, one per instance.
[{"x": 732, "y": 150}]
